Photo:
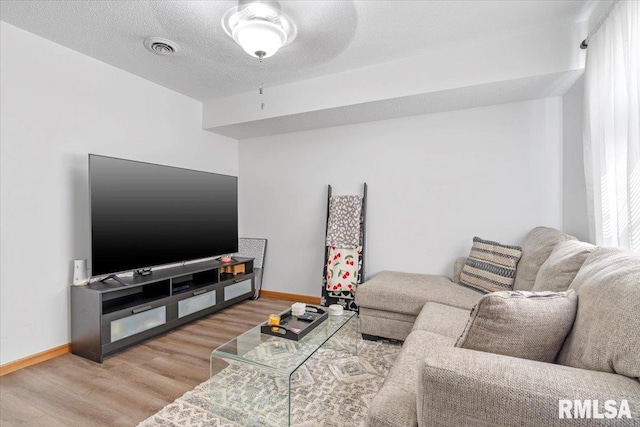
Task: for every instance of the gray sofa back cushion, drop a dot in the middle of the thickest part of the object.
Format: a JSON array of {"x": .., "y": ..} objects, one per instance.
[
  {"x": 520, "y": 324},
  {"x": 536, "y": 248},
  {"x": 562, "y": 266},
  {"x": 606, "y": 333}
]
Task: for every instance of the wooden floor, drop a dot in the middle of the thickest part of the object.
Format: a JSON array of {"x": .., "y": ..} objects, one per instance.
[{"x": 129, "y": 386}]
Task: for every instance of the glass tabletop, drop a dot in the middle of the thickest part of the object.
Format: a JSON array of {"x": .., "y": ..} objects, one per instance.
[{"x": 280, "y": 354}]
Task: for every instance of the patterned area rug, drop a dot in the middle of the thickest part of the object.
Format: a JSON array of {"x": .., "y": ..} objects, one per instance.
[{"x": 331, "y": 389}]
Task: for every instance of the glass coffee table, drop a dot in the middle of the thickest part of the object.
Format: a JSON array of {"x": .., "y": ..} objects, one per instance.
[{"x": 252, "y": 375}]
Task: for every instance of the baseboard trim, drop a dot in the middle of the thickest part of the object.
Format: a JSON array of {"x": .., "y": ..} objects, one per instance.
[
  {"x": 66, "y": 348},
  {"x": 307, "y": 299},
  {"x": 34, "y": 359}
]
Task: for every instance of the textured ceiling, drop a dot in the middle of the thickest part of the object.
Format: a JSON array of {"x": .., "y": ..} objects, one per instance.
[{"x": 333, "y": 36}]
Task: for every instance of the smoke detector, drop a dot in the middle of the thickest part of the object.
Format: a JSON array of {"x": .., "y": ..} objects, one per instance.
[{"x": 161, "y": 46}]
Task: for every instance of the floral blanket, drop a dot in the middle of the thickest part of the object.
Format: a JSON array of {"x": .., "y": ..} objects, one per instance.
[{"x": 342, "y": 269}]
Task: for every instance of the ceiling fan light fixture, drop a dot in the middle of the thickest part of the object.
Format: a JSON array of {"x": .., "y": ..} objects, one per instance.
[
  {"x": 259, "y": 38},
  {"x": 259, "y": 28}
]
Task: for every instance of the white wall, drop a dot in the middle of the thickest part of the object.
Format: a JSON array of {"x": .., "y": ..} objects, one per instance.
[
  {"x": 574, "y": 185},
  {"x": 435, "y": 181},
  {"x": 57, "y": 105}
]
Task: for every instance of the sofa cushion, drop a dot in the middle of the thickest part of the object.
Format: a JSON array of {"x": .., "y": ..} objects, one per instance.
[
  {"x": 528, "y": 325},
  {"x": 606, "y": 333},
  {"x": 393, "y": 407},
  {"x": 408, "y": 292},
  {"x": 395, "y": 403},
  {"x": 536, "y": 248},
  {"x": 388, "y": 324},
  {"x": 458, "y": 265},
  {"x": 559, "y": 270},
  {"x": 442, "y": 319},
  {"x": 472, "y": 389},
  {"x": 415, "y": 348},
  {"x": 490, "y": 266},
  {"x": 391, "y": 315}
]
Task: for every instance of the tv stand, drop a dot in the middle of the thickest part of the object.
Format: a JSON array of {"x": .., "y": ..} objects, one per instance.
[
  {"x": 109, "y": 316},
  {"x": 116, "y": 278}
]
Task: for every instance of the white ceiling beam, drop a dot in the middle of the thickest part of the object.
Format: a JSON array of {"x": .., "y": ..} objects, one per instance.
[{"x": 539, "y": 56}]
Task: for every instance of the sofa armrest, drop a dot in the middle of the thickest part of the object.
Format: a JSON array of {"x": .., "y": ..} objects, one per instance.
[
  {"x": 460, "y": 387},
  {"x": 457, "y": 268}
]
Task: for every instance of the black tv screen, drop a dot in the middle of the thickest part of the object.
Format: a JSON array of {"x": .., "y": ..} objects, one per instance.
[{"x": 145, "y": 215}]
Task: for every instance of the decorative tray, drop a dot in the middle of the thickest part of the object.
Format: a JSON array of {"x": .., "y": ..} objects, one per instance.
[{"x": 296, "y": 327}]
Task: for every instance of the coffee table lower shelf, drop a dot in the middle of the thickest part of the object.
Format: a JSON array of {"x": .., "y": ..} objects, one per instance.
[{"x": 251, "y": 375}]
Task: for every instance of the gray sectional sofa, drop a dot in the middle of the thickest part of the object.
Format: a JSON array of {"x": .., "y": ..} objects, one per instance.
[{"x": 435, "y": 383}]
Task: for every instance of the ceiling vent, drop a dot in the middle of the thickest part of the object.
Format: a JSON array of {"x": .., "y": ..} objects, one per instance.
[{"x": 160, "y": 46}]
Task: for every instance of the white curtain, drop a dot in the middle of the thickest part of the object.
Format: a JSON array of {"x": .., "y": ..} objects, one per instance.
[{"x": 612, "y": 129}]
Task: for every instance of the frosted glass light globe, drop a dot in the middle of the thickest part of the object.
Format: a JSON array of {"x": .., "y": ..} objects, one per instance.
[{"x": 257, "y": 35}]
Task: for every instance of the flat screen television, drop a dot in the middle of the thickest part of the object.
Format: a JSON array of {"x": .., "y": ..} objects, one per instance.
[{"x": 145, "y": 215}]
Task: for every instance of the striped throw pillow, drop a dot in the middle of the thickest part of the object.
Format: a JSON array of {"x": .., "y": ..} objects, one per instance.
[{"x": 491, "y": 267}]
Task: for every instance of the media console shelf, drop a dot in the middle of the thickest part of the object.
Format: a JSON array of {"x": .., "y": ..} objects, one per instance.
[{"x": 107, "y": 317}]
